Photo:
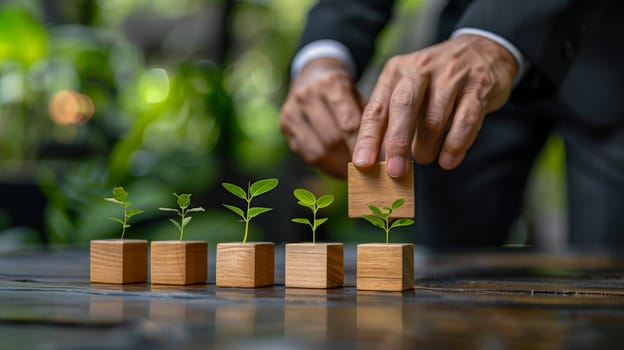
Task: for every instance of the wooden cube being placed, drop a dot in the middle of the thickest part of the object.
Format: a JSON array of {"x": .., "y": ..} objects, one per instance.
[
  {"x": 179, "y": 262},
  {"x": 245, "y": 265},
  {"x": 385, "y": 267},
  {"x": 375, "y": 187},
  {"x": 118, "y": 261},
  {"x": 314, "y": 265}
]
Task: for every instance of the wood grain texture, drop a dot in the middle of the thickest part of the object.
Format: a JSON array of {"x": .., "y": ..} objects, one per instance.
[
  {"x": 314, "y": 265},
  {"x": 385, "y": 267},
  {"x": 375, "y": 187},
  {"x": 179, "y": 262},
  {"x": 118, "y": 261},
  {"x": 245, "y": 265}
]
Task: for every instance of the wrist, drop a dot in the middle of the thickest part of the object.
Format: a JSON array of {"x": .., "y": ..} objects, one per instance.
[
  {"x": 498, "y": 57},
  {"x": 325, "y": 64},
  {"x": 320, "y": 66}
]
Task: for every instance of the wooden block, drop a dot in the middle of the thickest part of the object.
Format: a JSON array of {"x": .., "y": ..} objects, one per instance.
[
  {"x": 179, "y": 262},
  {"x": 118, "y": 261},
  {"x": 385, "y": 267},
  {"x": 314, "y": 265},
  {"x": 375, "y": 187},
  {"x": 245, "y": 265}
]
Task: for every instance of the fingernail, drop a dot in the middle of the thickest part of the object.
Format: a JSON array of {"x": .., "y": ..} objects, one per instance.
[
  {"x": 396, "y": 166},
  {"x": 447, "y": 161},
  {"x": 362, "y": 157}
]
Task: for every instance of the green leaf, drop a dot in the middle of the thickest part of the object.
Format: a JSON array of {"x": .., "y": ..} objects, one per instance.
[
  {"x": 112, "y": 200},
  {"x": 186, "y": 221},
  {"x": 311, "y": 206},
  {"x": 262, "y": 186},
  {"x": 305, "y": 197},
  {"x": 193, "y": 210},
  {"x": 253, "y": 212},
  {"x": 120, "y": 194},
  {"x": 375, "y": 221},
  {"x": 235, "y": 190},
  {"x": 169, "y": 209},
  {"x": 319, "y": 222},
  {"x": 176, "y": 224},
  {"x": 376, "y": 211},
  {"x": 184, "y": 200},
  {"x": 117, "y": 220},
  {"x": 401, "y": 222},
  {"x": 387, "y": 213},
  {"x": 236, "y": 210},
  {"x": 301, "y": 221},
  {"x": 132, "y": 212},
  {"x": 125, "y": 204},
  {"x": 325, "y": 201},
  {"x": 398, "y": 203}
]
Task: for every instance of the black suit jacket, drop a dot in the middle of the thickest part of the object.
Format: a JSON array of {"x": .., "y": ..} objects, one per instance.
[{"x": 575, "y": 48}]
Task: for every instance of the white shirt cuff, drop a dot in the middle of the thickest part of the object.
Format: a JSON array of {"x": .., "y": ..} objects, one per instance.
[
  {"x": 523, "y": 64},
  {"x": 322, "y": 48}
]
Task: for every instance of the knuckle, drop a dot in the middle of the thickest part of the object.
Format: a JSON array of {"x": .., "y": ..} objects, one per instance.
[
  {"x": 349, "y": 123},
  {"x": 374, "y": 111},
  {"x": 483, "y": 79},
  {"x": 436, "y": 108},
  {"x": 424, "y": 58},
  {"x": 431, "y": 124},
  {"x": 394, "y": 63},
  {"x": 469, "y": 120},
  {"x": 287, "y": 110},
  {"x": 398, "y": 144},
  {"x": 454, "y": 68},
  {"x": 403, "y": 94},
  {"x": 328, "y": 79},
  {"x": 285, "y": 118},
  {"x": 303, "y": 94}
]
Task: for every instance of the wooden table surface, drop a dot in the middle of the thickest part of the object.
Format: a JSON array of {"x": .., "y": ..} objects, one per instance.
[{"x": 511, "y": 299}]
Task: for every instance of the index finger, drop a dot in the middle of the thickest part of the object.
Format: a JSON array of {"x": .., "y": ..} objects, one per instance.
[{"x": 374, "y": 123}]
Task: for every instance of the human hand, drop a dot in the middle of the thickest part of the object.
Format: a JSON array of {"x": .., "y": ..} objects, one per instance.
[
  {"x": 321, "y": 115},
  {"x": 431, "y": 103}
]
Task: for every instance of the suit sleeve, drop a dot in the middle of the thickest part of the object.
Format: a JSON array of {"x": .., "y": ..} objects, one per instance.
[
  {"x": 353, "y": 23},
  {"x": 547, "y": 32}
]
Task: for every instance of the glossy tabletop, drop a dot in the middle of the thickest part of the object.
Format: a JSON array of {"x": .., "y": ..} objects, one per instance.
[{"x": 493, "y": 300}]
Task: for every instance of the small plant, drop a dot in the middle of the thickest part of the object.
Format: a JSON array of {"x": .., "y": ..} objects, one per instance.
[
  {"x": 308, "y": 200},
  {"x": 253, "y": 190},
  {"x": 382, "y": 220},
  {"x": 184, "y": 200},
  {"x": 119, "y": 197}
]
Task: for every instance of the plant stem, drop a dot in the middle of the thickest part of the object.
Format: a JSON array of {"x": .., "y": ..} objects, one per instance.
[
  {"x": 125, "y": 222},
  {"x": 387, "y": 229},
  {"x": 314, "y": 224},
  {"x": 182, "y": 225},
  {"x": 247, "y": 219}
]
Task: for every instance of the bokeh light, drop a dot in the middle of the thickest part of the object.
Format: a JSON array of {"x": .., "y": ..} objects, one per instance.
[
  {"x": 154, "y": 85},
  {"x": 68, "y": 107}
]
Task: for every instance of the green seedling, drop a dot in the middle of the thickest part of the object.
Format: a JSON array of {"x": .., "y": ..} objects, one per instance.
[
  {"x": 308, "y": 200},
  {"x": 184, "y": 201},
  {"x": 119, "y": 197},
  {"x": 381, "y": 218},
  {"x": 253, "y": 190}
]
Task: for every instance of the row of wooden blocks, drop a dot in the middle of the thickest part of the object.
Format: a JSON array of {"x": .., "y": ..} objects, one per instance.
[{"x": 381, "y": 267}]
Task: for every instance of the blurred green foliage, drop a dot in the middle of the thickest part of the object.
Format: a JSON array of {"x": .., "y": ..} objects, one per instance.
[{"x": 185, "y": 94}]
